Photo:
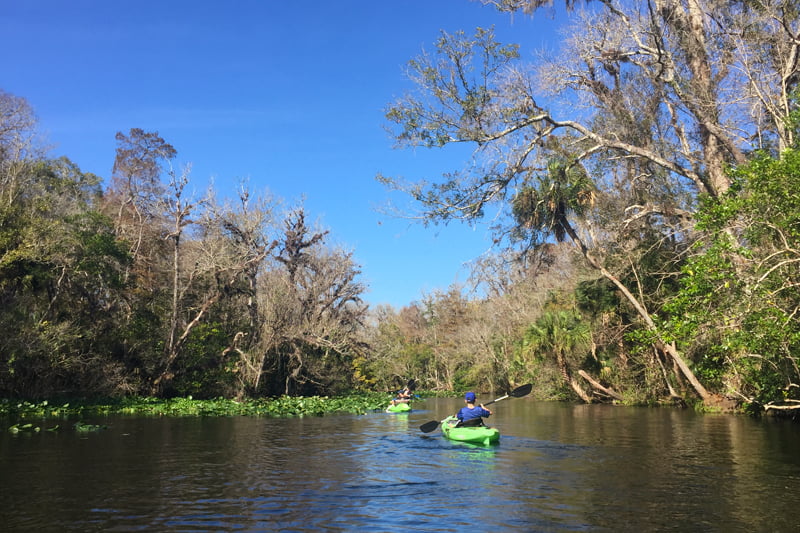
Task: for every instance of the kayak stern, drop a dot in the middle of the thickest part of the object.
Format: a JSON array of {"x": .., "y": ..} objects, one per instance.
[
  {"x": 402, "y": 407},
  {"x": 476, "y": 435}
]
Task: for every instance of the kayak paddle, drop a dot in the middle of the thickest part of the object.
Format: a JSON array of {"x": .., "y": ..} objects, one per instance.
[
  {"x": 519, "y": 392},
  {"x": 427, "y": 427}
]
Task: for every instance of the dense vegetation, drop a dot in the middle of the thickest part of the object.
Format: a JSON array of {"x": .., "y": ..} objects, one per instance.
[
  {"x": 137, "y": 289},
  {"x": 647, "y": 239},
  {"x": 34, "y": 417},
  {"x": 646, "y": 255},
  {"x": 280, "y": 406}
]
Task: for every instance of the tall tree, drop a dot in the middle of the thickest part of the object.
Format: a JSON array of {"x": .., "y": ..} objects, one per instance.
[
  {"x": 136, "y": 192},
  {"x": 656, "y": 125},
  {"x": 60, "y": 264},
  {"x": 314, "y": 311},
  {"x": 246, "y": 231},
  {"x": 178, "y": 210},
  {"x": 545, "y": 210},
  {"x": 739, "y": 301},
  {"x": 17, "y": 145}
]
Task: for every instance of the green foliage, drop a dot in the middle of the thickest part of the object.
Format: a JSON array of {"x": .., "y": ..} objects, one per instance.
[
  {"x": 282, "y": 406},
  {"x": 559, "y": 339},
  {"x": 736, "y": 311},
  {"x": 60, "y": 273},
  {"x": 203, "y": 371},
  {"x": 597, "y": 296},
  {"x": 97, "y": 252},
  {"x": 557, "y": 332},
  {"x": 542, "y": 208}
]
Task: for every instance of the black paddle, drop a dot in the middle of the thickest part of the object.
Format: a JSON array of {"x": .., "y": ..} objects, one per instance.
[
  {"x": 411, "y": 385},
  {"x": 519, "y": 392}
]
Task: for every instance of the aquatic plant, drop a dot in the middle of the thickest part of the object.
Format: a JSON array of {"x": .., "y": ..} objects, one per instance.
[{"x": 282, "y": 406}]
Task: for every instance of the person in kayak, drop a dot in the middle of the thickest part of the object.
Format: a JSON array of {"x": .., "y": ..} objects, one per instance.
[
  {"x": 472, "y": 415},
  {"x": 404, "y": 396}
]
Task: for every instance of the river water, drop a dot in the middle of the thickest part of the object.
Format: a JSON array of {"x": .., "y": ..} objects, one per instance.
[{"x": 558, "y": 467}]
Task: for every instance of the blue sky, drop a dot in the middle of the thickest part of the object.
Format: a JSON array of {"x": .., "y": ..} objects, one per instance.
[{"x": 287, "y": 95}]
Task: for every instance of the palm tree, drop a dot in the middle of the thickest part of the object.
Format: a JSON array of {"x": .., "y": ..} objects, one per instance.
[
  {"x": 566, "y": 190},
  {"x": 544, "y": 211},
  {"x": 561, "y": 333}
]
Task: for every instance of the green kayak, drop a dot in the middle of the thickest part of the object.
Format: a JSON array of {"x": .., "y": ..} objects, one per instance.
[
  {"x": 476, "y": 435},
  {"x": 403, "y": 407}
]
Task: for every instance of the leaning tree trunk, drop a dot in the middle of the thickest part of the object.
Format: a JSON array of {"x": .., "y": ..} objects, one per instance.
[
  {"x": 598, "y": 386},
  {"x": 562, "y": 366},
  {"x": 669, "y": 349},
  {"x": 166, "y": 374}
]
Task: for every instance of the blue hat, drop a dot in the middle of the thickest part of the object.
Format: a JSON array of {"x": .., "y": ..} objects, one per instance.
[{"x": 470, "y": 397}]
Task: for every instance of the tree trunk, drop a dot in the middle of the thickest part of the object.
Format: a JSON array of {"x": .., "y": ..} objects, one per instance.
[
  {"x": 605, "y": 390},
  {"x": 642, "y": 312},
  {"x": 562, "y": 365},
  {"x": 166, "y": 373}
]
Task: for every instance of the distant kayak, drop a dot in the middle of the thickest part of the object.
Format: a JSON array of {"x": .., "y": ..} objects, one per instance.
[
  {"x": 476, "y": 435},
  {"x": 403, "y": 407}
]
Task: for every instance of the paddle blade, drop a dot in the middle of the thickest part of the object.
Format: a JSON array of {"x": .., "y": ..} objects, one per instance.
[
  {"x": 412, "y": 385},
  {"x": 519, "y": 392},
  {"x": 427, "y": 427}
]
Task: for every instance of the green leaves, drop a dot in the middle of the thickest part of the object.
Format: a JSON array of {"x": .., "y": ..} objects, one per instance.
[
  {"x": 282, "y": 406},
  {"x": 542, "y": 207},
  {"x": 460, "y": 84},
  {"x": 736, "y": 310}
]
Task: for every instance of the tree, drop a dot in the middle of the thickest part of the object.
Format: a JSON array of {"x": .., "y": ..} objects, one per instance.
[
  {"x": 59, "y": 265},
  {"x": 143, "y": 289},
  {"x": 17, "y": 146},
  {"x": 447, "y": 315},
  {"x": 313, "y": 312},
  {"x": 243, "y": 232},
  {"x": 178, "y": 210},
  {"x": 561, "y": 333},
  {"x": 656, "y": 125},
  {"x": 136, "y": 192},
  {"x": 398, "y": 347},
  {"x": 566, "y": 191},
  {"x": 738, "y": 303},
  {"x": 697, "y": 52}
]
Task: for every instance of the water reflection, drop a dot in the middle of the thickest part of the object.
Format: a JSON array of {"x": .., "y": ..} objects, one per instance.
[{"x": 557, "y": 468}]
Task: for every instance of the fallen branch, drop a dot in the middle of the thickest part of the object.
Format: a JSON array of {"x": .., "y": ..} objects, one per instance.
[{"x": 609, "y": 392}]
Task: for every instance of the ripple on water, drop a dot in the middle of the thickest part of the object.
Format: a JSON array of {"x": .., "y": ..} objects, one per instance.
[{"x": 556, "y": 468}]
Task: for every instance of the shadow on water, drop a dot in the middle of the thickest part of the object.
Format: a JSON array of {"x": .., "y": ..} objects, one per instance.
[{"x": 557, "y": 467}]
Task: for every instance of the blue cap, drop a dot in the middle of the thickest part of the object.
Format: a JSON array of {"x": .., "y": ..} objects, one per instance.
[{"x": 470, "y": 397}]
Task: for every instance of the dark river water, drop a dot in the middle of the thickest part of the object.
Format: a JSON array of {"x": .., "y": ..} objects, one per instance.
[{"x": 557, "y": 467}]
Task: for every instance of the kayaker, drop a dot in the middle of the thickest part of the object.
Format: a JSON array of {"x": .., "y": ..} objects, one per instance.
[
  {"x": 404, "y": 396},
  {"x": 472, "y": 415}
]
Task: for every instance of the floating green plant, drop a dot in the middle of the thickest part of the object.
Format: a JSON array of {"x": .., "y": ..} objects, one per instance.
[
  {"x": 83, "y": 428},
  {"x": 282, "y": 406},
  {"x": 24, "y": 428}
]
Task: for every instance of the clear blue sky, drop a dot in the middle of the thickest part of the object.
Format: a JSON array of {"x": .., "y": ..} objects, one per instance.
[{"x": 289, "y": 95}]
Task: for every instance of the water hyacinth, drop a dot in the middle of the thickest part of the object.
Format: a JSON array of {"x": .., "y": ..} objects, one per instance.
[{"x": 282, "y": 406}]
